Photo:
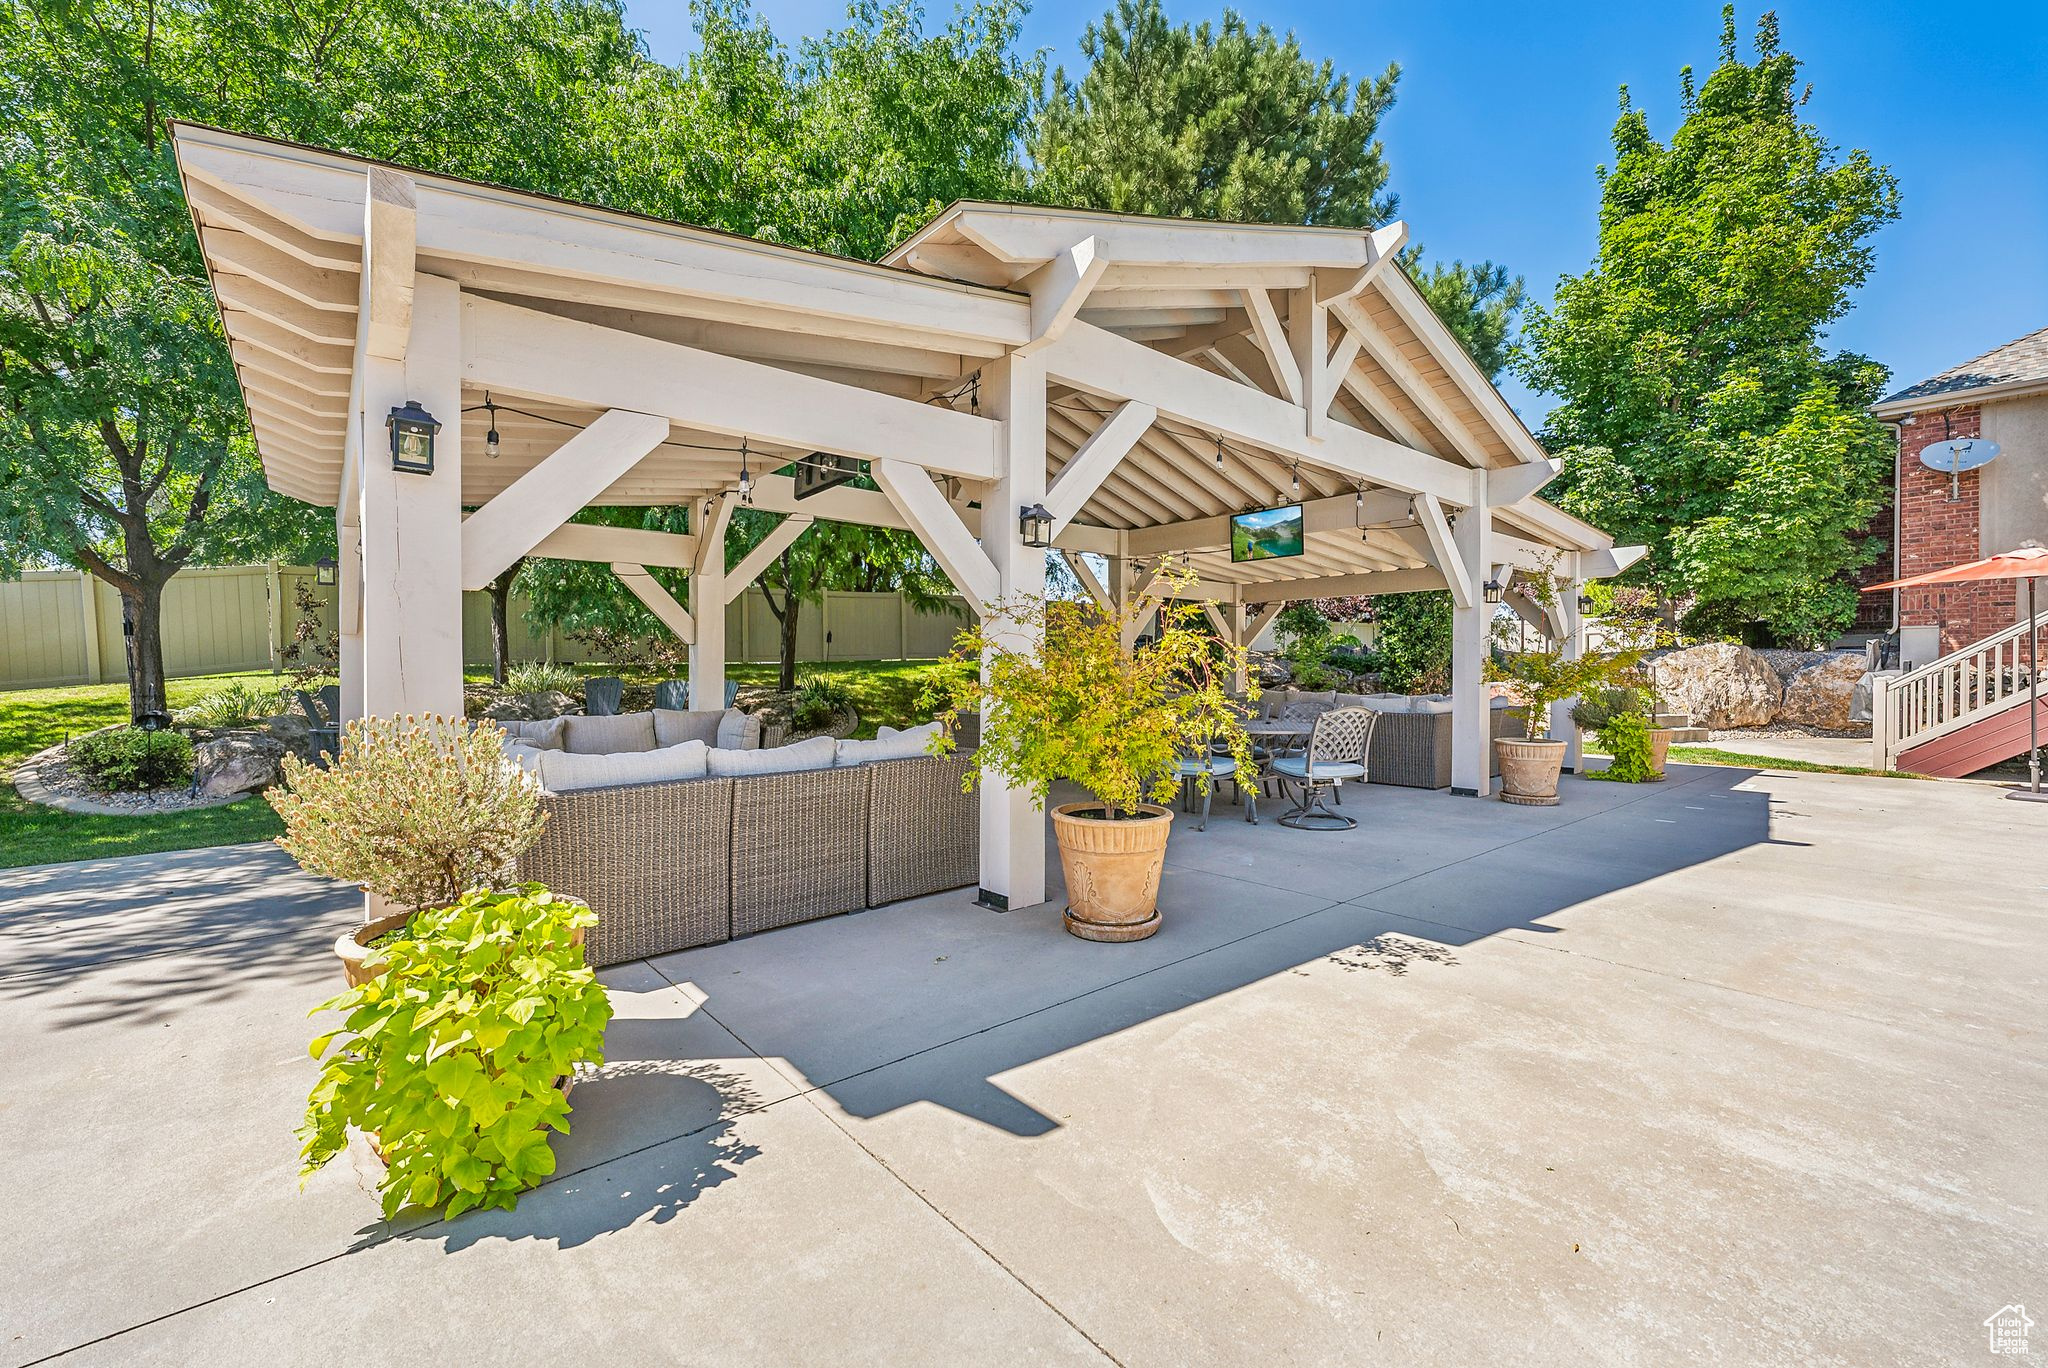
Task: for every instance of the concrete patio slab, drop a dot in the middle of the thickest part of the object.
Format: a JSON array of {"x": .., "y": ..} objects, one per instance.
[{"x": 1763, "y": 1047}]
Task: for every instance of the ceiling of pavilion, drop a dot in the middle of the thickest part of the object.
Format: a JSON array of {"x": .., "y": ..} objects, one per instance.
[{"x": 281, "y": 230}]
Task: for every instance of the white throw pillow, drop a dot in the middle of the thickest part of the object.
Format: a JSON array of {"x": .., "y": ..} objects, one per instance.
[
  {"x": 889, "y": 744},
  {"x": 1389, "y": 703},
  {"x": 563, "y": 771},
  {"x": 1431, "y": 703},
  {"x": 816, "y": 753},
  {"x": 739, "y": 731}
]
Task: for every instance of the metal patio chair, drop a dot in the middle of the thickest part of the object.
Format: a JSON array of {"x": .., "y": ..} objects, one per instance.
[
  {"x": 1335, "y": 752},
  {"x": 1206, "y": 771}
]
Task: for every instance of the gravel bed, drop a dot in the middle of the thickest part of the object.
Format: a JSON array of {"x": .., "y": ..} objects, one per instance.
[{"x": 48, "y": 778}]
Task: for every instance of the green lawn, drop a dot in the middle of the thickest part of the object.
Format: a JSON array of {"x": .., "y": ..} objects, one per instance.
[
  {"x": 1714, "y": 755},
  {"x": 885, "y": 692},
  {"x": 31, "y": 719}
]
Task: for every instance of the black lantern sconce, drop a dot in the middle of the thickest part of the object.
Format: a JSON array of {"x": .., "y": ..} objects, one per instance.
[
  {"x": 1585, "y": 603},
  {"x": 1034, "y": 524},
  {"x": 412, "y": 438},
  {"x": 326, "y": 572},
  {"x": 1494, "y": 590}
]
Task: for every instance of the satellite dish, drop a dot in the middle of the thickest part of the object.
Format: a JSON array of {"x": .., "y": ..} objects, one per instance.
[{"x": 1953, "y": 455}]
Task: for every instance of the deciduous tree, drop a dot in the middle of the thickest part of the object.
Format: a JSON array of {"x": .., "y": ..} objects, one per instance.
[{"x": 1701, "y": 414}]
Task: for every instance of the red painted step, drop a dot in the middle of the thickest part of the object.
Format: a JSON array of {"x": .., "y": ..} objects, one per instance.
[{"x": 1984, "y": 742}]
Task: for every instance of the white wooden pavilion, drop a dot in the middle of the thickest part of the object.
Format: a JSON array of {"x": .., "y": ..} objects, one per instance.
[{"x": 1140, "y": 379}]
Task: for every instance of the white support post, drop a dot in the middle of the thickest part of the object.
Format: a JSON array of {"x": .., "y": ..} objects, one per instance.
[
  {"x": 1240, "y": 620},
  {"x": 412, "y": 524},
  {"x": 707, "y": 609},
  {"x": 348, "y": 610},
  {"x": 1573, "y": 643},
  {"x": 1012, "y": 828},
  {"x": 1471, "y": 633}
]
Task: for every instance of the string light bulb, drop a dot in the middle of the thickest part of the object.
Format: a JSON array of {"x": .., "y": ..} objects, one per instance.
[
  {"x": 746, "y": 477},
  {"x": 1219, "y": 451},
  {"x": 1295, "y": 483},
  {"x": 491, "y": 435}
]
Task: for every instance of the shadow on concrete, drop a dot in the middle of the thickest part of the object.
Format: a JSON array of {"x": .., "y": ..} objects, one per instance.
[
  {"x": 211, "y": 917},
  {"x": 822, "y": 990},
  {"x": 654, "y": 1182}
]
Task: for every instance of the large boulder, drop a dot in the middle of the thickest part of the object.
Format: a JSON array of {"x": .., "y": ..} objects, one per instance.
[
  {"x": 1720, "y": 685},
  {"x": 239, "y": 762},
  {"x": 292, "y": 731},
  {"x": 1820, "y": 694},
  {"x": 531, "y": 707}
]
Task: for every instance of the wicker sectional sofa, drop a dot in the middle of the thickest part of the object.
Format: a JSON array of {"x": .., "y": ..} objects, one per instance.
[
  {"x": 678, "y": 863},
  {"x": 1411, "y": 743}
]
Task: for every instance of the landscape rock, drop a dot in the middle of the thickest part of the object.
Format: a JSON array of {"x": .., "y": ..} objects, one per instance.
[
  {"x": 1820, "y": 694},
  {"x": 293, "y": 732},
  {"x": 531, "y": 707},
  {"x": 1788, "y": 662},
  {"x": 237, "y": 763},
  {"x": 1720, "y": 685}
]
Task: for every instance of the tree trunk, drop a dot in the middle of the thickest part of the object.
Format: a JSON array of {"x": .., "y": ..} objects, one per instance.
[
  {"x": 787, "y": 679},
  {"x": 501, "y": 633},
  {"x": 142, "y": 605}
]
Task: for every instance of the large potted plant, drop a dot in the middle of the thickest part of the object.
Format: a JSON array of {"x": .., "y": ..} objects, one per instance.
[
  {"x": 416, "y": 811},
  {"x": 455, "y": 1059},
  {"x": 1067, "y": 702},
  {"x": 1537, "y": 678}
]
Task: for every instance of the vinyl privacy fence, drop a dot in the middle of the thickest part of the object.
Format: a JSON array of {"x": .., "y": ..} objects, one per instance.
[{"x": 65, "y": 627}]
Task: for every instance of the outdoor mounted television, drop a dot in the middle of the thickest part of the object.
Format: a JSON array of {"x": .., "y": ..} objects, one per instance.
[{"x": 1266, "y": 533}]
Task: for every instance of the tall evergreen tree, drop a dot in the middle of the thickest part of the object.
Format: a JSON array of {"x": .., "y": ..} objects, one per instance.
[
  {"x": 1226, "y": 121},
  {"x": 1701, "y": 414}
]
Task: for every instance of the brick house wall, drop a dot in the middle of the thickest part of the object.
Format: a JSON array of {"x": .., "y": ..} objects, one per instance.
[{"x": 1935, "y": 533}]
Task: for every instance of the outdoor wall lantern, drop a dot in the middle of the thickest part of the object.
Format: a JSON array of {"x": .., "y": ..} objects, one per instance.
[
  {"x": 412, "y": 438},
  {"x": 1494, "y": 590},
  {"x": 1035, "y": 525},
  {"x": 1585, "y": 603},
  {"x": 326, "y": 571}
]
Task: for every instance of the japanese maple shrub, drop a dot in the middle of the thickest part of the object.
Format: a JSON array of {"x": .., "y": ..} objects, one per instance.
[{"x": 453, "y": 1056}]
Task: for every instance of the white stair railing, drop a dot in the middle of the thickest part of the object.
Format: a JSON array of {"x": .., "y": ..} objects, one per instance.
[{"x": 1945, "y": 695}]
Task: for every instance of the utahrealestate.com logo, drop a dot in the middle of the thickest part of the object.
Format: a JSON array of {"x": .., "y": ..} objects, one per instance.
[{"x": 2008, "y": 1328}]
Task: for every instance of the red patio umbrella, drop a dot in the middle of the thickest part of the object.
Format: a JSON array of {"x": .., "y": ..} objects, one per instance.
[{"x": 2027, "y": 561}]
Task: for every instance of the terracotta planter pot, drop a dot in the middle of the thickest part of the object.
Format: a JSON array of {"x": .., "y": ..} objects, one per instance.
[
  {"x": 1529, "y": 770},
  {"x": 1660, "y": 745},
  {"x": 1112, "y": 870},
  {"x": 353, "y": 950}
]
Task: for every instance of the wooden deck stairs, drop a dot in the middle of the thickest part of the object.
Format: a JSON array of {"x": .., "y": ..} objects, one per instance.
[{"x": 1960, "y": 713}]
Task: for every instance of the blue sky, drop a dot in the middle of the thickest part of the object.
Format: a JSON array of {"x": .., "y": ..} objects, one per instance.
[{"x": 1504, "y": 112}]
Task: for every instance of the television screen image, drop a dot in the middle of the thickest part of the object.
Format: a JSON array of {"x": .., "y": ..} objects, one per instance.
[{"x": 1266, "y": 534}]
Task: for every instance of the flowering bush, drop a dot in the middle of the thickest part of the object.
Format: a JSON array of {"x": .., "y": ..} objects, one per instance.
[
  {"x": 1071, "y": 703},
  {"x": 452, "y": 1056},
  {"x": 416, "y": 810}
]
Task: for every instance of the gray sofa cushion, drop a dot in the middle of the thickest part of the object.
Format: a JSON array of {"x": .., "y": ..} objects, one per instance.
[
  {"x": 816, "y": 753},
  {"x": 608, "y": 735},
  {"x": 741, "y": 731},
  {"x": 674, "y": 726},
  {"x": 546, "y": 734},
  {"x": 565, "y": 771}
]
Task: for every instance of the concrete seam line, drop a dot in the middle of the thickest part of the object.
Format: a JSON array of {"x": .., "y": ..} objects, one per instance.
[{"x": 962, "y": 1231}]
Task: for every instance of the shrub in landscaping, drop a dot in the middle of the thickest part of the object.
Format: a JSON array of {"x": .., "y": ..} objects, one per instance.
[
  {"x": 453, "y": 1055},
  {"x": 128, "y": 759},
  {"x": 819, "y": 699},
  {"x": 1306, "y": 638},
  {"x": 543, "y": 676},
  {"x": 232, "y": 705},
  {"x": 417, "y": 810},
  {"x": 1626, "y": 739}
]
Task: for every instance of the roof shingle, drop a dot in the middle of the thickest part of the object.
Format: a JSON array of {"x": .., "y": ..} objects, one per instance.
[{"x": 2017, "y": 362}]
